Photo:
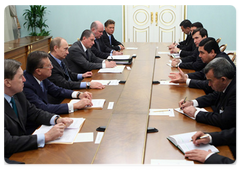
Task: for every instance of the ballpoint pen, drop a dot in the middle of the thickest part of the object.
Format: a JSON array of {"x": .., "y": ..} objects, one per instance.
[{"x": 202, "y": 137}]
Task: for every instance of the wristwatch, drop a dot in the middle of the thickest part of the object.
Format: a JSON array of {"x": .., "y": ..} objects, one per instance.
[
  {"x": 79, "y": 94},
  {"x": 57, "y": 119},
  {"x": 88, "y": 85}
]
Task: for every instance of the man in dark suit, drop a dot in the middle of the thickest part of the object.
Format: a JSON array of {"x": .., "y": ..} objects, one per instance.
[
  {"x": 81, "y": 58},
  {"x": 208, "y": 50},
  {"x": 18, "y": 111},
  {"x": 99, "y": 48},
  {"x": 221, "y": 77},
  {"x": 193, "y": 61},
  {"x": 62, "y": 76},
  {"x": 225, "y": 137},
  {"x": 108, "y": 37},
  {"x": 37, "y": 87}
]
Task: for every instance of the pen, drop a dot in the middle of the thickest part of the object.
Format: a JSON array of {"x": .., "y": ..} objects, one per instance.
[
  {"x": 202, "y": 137},
  {"x": 184, "y": 101}
]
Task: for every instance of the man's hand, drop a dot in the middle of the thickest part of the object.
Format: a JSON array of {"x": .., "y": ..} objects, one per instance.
[
  {"x": 96, "y": 85},
  {"x": 82, "y": 103},
  {"x": 117, "y": 53},
  {"x": 197, "y": 155},
  {"x": 182, "y": 105},
  {"x": 197, "y": 141},
  {"x": 178, "y": 77},
  {"x": 66, "y": 121},
  {"x": 190, "y": 111},
  {"x": 87, "y": 74},
  {"x": 87, "y": 95},
  {"x": 175, "y": 62},
  {"x": 110, "y": 64},
  {"x": 55, "y": 132}
]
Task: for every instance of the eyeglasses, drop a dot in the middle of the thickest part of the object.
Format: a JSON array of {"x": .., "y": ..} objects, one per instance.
[{"x": 47, "y": 67}]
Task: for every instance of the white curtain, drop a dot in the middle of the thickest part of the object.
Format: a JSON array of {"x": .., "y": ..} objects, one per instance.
[{"x": 10, "y": 23}]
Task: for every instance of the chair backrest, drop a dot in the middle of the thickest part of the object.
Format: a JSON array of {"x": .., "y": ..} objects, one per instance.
[
  {"x": 233, "y": 57},
  {"x": 218, "y": 40},
  {"x": 223, "y": 47}
]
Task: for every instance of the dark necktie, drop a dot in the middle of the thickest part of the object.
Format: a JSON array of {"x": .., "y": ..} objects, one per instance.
[
  {"x": 14, "y": 106},
  {"x": 110, "y": 40},
  {"x": 65, "y": 70},
  {"x": 96, "y": 41},
  {"x": 87, "y": 55}
]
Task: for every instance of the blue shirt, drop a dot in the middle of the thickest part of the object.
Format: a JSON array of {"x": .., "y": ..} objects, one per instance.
[
  {"x": 79, "y": 76},
  {"x": 40, "y": 137}
]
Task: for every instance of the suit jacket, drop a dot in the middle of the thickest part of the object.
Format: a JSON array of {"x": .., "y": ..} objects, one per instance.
[
  {"x": 224, "y": 107},
  {"x": 60, "y": 78},
  {"x": 15, "y": 138},
  {"x": 225, "y": 137},
  {"x": 114, "y": 42},
  {"x": 79, "y": 62},
  {"x": 198, "y": 79},
  {"x": 104, "y": 50},
  {"x": 36, "y": 96},
  {"x": 187, "y": 43},
  {"x": 193, "y": 62}
]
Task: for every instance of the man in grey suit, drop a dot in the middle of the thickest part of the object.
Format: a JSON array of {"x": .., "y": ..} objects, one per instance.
[
  {"x": 81, "y": 59},
  {"x": 18, "y": 111}
]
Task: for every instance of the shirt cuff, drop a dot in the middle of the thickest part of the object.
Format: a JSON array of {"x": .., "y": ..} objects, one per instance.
[
  {"x": 70, "y": 108},
  {"x": 111, "y": 52},
  {"x": 52, "y": 120},
  {"x": 195, "y": 103},
  {"x": 188, "y": 81},
  {"x": 210, "y": 154},
  {"x": 83, "y": 85},
  {"x": 103, "y": 64},
  {"x": 79, "y": 76},
  {"x": 41, "y": 140},
  {"x": 74, "y": 94}
]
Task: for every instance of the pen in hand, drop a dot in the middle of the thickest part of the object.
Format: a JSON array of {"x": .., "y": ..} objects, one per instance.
[
  {"x": 202, "y": 137},
  {"x": 184, "y": 101}
]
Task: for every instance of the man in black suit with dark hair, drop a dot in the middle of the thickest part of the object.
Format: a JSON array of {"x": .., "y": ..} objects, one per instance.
[
  {"x": 225, "y": 137},
  {"x": 18, "y": 111},
  {"x": 208, "y": 50},
  {"x": 108, "y": 37},
  {"x": 221, "y": 77}
]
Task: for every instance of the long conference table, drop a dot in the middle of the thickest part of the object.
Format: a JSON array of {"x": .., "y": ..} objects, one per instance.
[{"x": 125, "y": 139}]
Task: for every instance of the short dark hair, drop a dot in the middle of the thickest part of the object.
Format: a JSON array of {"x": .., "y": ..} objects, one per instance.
[
  {"x": 186, "y": 23},
  {"x": 55, "y": 42},
  {"x": 197, "y": 24},
  {"x": 209, "y": 45},
  {"x": 34, "y": 61},
  {"x": 221, "y": 68},
  {"x": 10, "y": 68},
  {"x": 86, "y": 33},
  {"x": 202, "y": 32},
  {"x": 108, "y": 22}
]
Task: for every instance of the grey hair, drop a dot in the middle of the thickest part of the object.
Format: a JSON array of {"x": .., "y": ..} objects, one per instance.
[{"x": 10, "y": 68}]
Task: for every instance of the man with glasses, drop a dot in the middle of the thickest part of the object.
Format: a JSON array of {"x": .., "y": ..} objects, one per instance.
[{"x": 38, "y": 88}]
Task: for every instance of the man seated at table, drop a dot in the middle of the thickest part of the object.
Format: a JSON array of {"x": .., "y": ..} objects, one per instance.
[
  {"x": 225, "y": 137},
  {"x": 18, "y": 111},
  {"x": 82, "y": 59},
  {"x": 193, "y": 61},
  {"x": 185, "y": 51},
  {"x": 208, "y": 50},
  {"x": 62, "y": 76},
  {"x": 99, "y": 48},
  {"x": 221, "y": 78},
  {"x": 108, "y": 37},
  {"x": 37, "y": 87}
]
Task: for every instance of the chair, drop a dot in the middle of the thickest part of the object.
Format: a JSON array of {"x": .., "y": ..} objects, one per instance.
[
  {"x": 223, "y": 47},
  {"x": 69, "y": 45},
  {"x": 232, "y": 56},
  {"x": 218, "y": 40}
]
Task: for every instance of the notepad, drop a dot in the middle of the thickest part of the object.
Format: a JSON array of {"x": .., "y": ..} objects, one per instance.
[
  {"x": 69, "y": 133},
  {"x": 162, "y": 112},
  {"x": 181, "y": 111},
  {"x": 107, "y": 82},
  {"x": 167, "y": 82},
  {"x": 183, "y": 143},
  {"x": 117, "y": 69},
  {"x": 97, "y": 103},
  {"x": 175, "y": 55}
]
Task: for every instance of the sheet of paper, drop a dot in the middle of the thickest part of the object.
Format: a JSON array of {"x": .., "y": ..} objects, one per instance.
[
  {"x": 162, "y": 112},
  {"x": 84, "y": 137},
  {"x": 167, "y": 82},
  {"x": 110, "y": 105},
  {"x": 181, "y": 111},
  {"x": 170, "y": 162},
  {"x": 131, "y": 48},
  {"x": 160, "y": 52},
  {"x": 97, "y": 103},
  {"x": 119, "y": 57},
  {"x": 99, "y": 137},
  {"x": 117, "y": 69},
  {"x": 107, "y": 82}
]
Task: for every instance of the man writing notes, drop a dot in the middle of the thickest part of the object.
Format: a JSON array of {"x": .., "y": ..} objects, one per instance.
[
  {"x": 99, "y": 48},
  {"x": 61, "y": 75},
  {"x": 18, "y": 111},
  {"x": 108, "y": 37},
  {"x": 37, "y": 87},
  {"x": 208, "y": 50},
  {"x": 193, "y": 61},
  {"x": 81, "y": 58},
  {"x": 221, "y": 78},
  {"x": 225, "y": 137}
]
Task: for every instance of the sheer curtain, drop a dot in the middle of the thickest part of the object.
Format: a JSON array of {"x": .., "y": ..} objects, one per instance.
[{"x": 10, "y": 23}]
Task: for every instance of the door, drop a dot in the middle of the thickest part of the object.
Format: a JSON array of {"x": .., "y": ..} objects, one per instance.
[{"x": 153, "y": 23}]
